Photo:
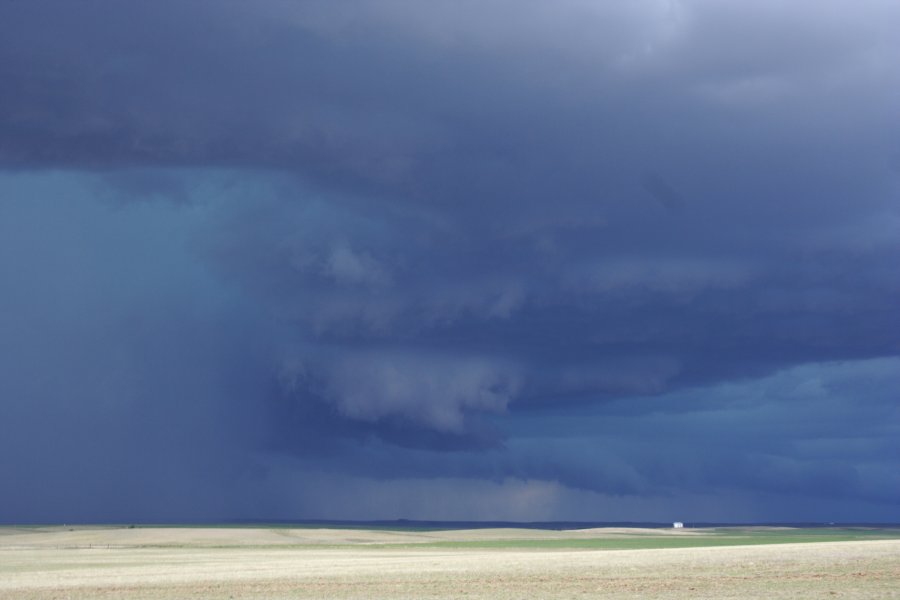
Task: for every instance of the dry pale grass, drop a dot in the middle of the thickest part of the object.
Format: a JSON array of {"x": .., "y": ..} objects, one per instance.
[
  {"x": 47, "y": 537},
  {"x": 34, "y": 564}
]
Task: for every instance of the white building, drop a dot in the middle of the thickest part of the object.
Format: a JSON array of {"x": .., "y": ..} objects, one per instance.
[{"x": 678, "y": 525}]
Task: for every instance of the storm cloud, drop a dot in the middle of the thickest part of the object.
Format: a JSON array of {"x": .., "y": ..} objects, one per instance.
[{"x": 594, "y": 260}]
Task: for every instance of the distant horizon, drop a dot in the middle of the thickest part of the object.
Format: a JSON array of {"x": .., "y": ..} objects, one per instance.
[{"x": 439, "y": 524}]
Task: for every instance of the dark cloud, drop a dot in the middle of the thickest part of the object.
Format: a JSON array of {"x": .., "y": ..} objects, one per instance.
[
  {"x": 403, "y": 243},
  {"x": 663, "y": 193}
]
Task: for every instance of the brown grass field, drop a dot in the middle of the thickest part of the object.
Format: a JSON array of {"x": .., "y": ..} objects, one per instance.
[{"x": 275, "y": 563}]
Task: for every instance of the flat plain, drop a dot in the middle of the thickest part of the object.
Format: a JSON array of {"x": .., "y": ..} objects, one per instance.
[{"x": 305, "y": 562}]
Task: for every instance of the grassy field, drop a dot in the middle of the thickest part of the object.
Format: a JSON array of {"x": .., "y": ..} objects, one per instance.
[
  {"x": 274, "y": 562},
  {"x": 705, "y": 538}
]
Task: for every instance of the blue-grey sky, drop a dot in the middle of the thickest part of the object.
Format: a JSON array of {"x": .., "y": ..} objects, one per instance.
[{"x": 580, "y": 260}]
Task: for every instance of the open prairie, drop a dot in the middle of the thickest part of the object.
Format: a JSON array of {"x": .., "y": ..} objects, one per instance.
[{"x": 238, "y": 562}]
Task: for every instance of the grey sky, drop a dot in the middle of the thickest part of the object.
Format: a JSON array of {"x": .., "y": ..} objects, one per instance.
[{"x": 594, "y": 260}]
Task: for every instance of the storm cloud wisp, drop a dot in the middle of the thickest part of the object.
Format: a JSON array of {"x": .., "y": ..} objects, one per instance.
[{"x": 601, "y": 261}]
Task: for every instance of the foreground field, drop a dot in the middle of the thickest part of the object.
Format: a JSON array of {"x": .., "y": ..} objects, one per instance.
[{"x": 509, "y": 563}]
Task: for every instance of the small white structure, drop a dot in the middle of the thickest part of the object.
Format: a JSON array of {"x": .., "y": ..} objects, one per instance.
[{"x": 678, "y": 525}]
